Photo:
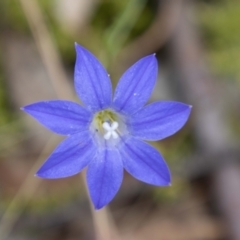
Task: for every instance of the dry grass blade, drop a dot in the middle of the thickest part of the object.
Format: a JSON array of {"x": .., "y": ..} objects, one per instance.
[{"x": 47, "y": 49}]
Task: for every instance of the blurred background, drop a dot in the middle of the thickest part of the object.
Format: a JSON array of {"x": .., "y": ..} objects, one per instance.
[{"x": 198, "y": 47}]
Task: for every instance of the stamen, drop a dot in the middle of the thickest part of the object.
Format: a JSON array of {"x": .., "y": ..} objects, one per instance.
[{"x": 110, "y": 130}]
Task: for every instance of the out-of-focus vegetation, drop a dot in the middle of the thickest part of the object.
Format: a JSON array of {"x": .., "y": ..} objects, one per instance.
[
  {"x": 4, "y": 113},
  {"x": 219, "y": 22},
  {"x": 112, "y": 26},
  {"x": 7, "y": 131}
]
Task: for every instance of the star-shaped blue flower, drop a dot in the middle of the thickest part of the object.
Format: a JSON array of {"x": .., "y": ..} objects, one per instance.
[{"x": 107, "y": 135}]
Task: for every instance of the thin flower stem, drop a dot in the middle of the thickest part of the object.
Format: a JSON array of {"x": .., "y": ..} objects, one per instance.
[
  {"x": 107, "y": 229},
  {"x": 58, "y": 78}
]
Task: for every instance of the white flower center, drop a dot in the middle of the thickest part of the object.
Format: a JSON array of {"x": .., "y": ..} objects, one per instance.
[{"x": 110, "y": 130}]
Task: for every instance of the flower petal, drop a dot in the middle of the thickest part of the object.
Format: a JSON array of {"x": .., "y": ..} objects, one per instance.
[
  {"x": 136, "y": 85},
  {"x": 62, "y": 117},
  {"x": 70, "y": 157},
  {"x": 92, "y": 82},
  {"x": 144, "y": 162},
  {"x": 104, "y": 176},
  {"x": 159, "y": 120}
]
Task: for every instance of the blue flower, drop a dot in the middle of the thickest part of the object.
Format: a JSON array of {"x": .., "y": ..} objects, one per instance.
[{"x": 107, "y": 135}]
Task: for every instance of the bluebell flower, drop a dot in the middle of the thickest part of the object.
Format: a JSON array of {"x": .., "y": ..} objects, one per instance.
[{"x": 107, "y": 134}]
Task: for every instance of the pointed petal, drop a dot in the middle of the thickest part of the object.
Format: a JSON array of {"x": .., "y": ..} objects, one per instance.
[
  {"x": 159, "y": 120},
  {"x": 144, "y": 162},
  {"x": 104, "y": 177},
  {"x": 70, "y": 157},
  {"x": 62, "y": 117},
  {"x": 92, "y": 82},
  {"x": 136, "y": 85}
]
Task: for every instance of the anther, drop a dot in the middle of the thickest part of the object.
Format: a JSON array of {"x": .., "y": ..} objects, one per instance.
[{"x": 110, "y": 130}]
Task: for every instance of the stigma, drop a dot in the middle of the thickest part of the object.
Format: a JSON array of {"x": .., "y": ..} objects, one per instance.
[{"x": 110, "y": 129}]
